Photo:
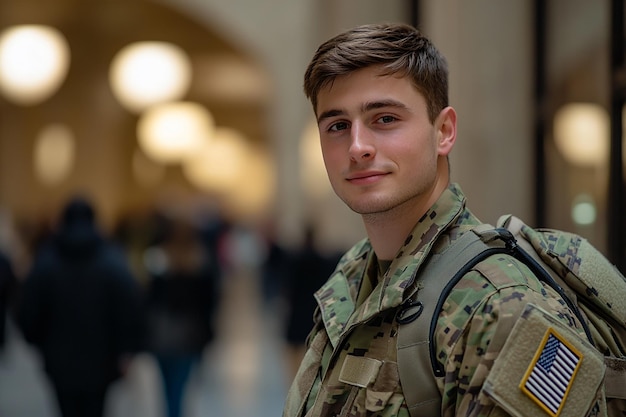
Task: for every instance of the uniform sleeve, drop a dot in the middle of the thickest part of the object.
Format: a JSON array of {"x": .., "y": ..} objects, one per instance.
[{"x": 476, "y": 320}]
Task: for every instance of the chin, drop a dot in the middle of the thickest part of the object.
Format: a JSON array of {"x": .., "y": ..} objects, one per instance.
[{"x": 368, "y": 207}]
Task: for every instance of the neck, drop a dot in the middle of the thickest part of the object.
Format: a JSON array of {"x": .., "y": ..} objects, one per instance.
[{"x": 387, "y": 231}]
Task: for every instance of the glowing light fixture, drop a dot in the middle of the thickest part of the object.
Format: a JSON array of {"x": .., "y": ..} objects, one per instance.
[
  {"x": 584, "y": 210},
  {"x": 54, "y": 154},
  {"x": 219, "y": 165},
  {"x": 34, "y": 61},
  {"x": 143, "y": 74},
  {"x": 581, "y": 133},
  {"x": 171, "y": 132}
]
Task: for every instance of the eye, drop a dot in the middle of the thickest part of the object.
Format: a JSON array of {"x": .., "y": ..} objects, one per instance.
[
  {"x": 387, "y": 119},
  {"x": 338, "y": 126}
]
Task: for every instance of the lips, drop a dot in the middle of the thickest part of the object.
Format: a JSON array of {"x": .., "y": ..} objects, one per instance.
[{"x": 366, "y": 177}]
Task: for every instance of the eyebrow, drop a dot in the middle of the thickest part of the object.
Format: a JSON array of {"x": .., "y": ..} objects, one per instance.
[
  {"x": 328, "y": 114},
  {"x": 370, "y": 105}
]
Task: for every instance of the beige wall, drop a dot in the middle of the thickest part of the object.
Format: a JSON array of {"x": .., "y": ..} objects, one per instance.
[{"x": 489, "y": 48}]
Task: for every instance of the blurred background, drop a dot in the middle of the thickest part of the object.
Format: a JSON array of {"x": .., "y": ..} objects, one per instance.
[{"x": 184, "y": 125}]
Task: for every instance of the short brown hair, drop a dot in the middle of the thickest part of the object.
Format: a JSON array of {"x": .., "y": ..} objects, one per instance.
[{"x": 399, "y": 49}]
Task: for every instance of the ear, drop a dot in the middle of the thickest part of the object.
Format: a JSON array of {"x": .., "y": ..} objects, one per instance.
[{"x": 446, "y": 130}]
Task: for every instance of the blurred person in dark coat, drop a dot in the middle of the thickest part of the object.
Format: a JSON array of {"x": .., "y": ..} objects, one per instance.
[
  {"x": 182, "y": 300},
  {"x": 80, "y": 307},
  {"x": 8, "y": 282},
  {"x": 307, "y": 269}
]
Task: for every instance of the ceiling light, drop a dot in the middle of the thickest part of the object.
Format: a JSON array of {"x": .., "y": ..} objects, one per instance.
[
  {"x": 172, "y": 132},
  {"x": 581, "y": 133},
  {"x": 143, "y": 74},
  {"x": 54, "y": 154},
  {"x": 218, "y": 166},
  {"x": 34, "y": 61}
]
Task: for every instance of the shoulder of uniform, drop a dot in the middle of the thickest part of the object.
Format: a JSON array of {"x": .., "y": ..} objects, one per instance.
[
  {"x": 480, "y": 291},
  {"x": 505, "y": 270},
  {"x": 500, "y": 271},
  {"x": 499, "y": 287},
  {"x": 499, "y": 283}
]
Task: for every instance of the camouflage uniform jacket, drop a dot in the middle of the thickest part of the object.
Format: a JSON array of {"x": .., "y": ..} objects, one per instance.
[{"x": 356, "y": 327}]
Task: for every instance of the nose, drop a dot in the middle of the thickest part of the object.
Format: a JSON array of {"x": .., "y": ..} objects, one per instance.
[{"x": 361, "y": 144}]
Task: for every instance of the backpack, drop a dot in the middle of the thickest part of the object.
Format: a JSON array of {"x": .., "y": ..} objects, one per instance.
[{"x": 595, "y": 292}]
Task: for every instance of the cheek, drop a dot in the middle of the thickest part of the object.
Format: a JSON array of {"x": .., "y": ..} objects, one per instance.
[
  {"x": 402, "y": 151},
  {"x": 416, "y": 156},
  {"x": 331, "y": 156}
]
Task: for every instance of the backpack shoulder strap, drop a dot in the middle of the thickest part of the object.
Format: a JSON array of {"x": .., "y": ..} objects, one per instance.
[{"x": 415, "y": 361}]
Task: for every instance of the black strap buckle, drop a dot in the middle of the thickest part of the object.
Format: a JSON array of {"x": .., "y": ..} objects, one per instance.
[{"x": 409, "y": 311}]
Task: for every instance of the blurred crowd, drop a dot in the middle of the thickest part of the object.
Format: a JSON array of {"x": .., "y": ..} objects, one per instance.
[{"x": 89, "y": 301}]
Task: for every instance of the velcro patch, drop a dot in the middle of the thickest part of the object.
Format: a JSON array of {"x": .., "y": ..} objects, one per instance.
[
  {"x": 551, "y": 373},
  {"x": 545, "y": 369},
  {"x": 359, "y": 370}
]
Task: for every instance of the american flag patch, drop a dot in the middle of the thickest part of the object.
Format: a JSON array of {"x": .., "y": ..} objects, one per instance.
[{"x": 551, "y": 373}]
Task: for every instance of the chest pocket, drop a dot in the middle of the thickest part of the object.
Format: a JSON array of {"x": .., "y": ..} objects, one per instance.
[
  {"x": 375, "y": 384},
  {"x": 362, "y": 379}
]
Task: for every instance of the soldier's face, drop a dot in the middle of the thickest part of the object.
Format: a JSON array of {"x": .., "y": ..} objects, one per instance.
[{"x": 380, "y": 150}]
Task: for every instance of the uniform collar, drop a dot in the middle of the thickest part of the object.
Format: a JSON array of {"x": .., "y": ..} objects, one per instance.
[
  {"x": 337, "y": 298},
  {"x": 445, "y": 212}
]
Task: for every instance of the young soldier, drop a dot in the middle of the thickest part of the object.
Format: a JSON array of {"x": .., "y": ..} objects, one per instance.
[{"x": 380, "y": 95}]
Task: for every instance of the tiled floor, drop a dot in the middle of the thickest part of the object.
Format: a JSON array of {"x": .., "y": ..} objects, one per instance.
[{"x": 242, "y": 374}]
